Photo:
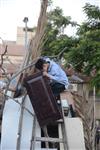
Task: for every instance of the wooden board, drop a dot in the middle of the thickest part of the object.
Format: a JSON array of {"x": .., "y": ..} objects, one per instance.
[{"x": 42, "y": 99}]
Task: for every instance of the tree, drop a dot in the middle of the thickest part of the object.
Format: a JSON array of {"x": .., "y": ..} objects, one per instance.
[
  {"x": 86, "y": 54},
  {"x": 55, "y": 39}
]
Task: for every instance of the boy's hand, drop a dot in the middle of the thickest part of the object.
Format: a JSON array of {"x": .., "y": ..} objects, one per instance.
[{"x": 46, "y": 74}]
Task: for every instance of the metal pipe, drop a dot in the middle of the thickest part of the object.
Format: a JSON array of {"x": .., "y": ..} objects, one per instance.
[{"x": 26, "y": 29}]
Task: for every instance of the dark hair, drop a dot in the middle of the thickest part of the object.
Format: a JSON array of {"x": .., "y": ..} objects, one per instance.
[{"x": 39, "y": 64}]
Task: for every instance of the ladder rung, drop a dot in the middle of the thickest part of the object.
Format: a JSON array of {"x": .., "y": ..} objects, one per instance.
[
  {"x": 60, "y": 121},
  {"x": 48, "y": 139}
]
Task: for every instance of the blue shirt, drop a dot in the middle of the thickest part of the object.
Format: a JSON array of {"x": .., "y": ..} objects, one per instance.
[{"x": 57, "y": 74}]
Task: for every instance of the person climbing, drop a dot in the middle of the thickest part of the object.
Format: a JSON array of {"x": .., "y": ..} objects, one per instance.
[{"x": 56, "y": 75}]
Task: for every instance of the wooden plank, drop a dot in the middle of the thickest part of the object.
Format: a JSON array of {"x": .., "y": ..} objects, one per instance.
[{"x": 49, "y": 139}]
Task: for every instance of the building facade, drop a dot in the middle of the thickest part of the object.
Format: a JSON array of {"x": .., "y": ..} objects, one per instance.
[{"x": 21, "y": 35}]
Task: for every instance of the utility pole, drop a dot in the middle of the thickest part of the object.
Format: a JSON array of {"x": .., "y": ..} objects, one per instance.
[{"x": 26, "y": 29}]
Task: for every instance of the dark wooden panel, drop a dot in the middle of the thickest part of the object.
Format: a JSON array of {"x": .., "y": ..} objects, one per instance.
[{"x": 42, "y": 99}]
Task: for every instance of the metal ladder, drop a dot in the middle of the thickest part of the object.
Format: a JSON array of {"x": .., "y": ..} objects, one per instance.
[{"x": 63, "y": 144}]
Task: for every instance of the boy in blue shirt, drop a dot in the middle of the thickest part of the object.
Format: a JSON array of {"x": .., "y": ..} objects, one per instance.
[{"x": 56, "y": 75}]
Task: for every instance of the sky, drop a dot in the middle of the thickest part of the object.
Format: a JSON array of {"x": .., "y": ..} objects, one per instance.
[{"x": 12, "y": 13}]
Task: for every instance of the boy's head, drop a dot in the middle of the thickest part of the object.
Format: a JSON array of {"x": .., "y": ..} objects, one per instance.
[{"x": 41, "y": 64}]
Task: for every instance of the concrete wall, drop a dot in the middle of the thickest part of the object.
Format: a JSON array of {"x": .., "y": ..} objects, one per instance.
[
  {"x": 21, "y": 36},
  {"x": 97, "y": 110}
]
